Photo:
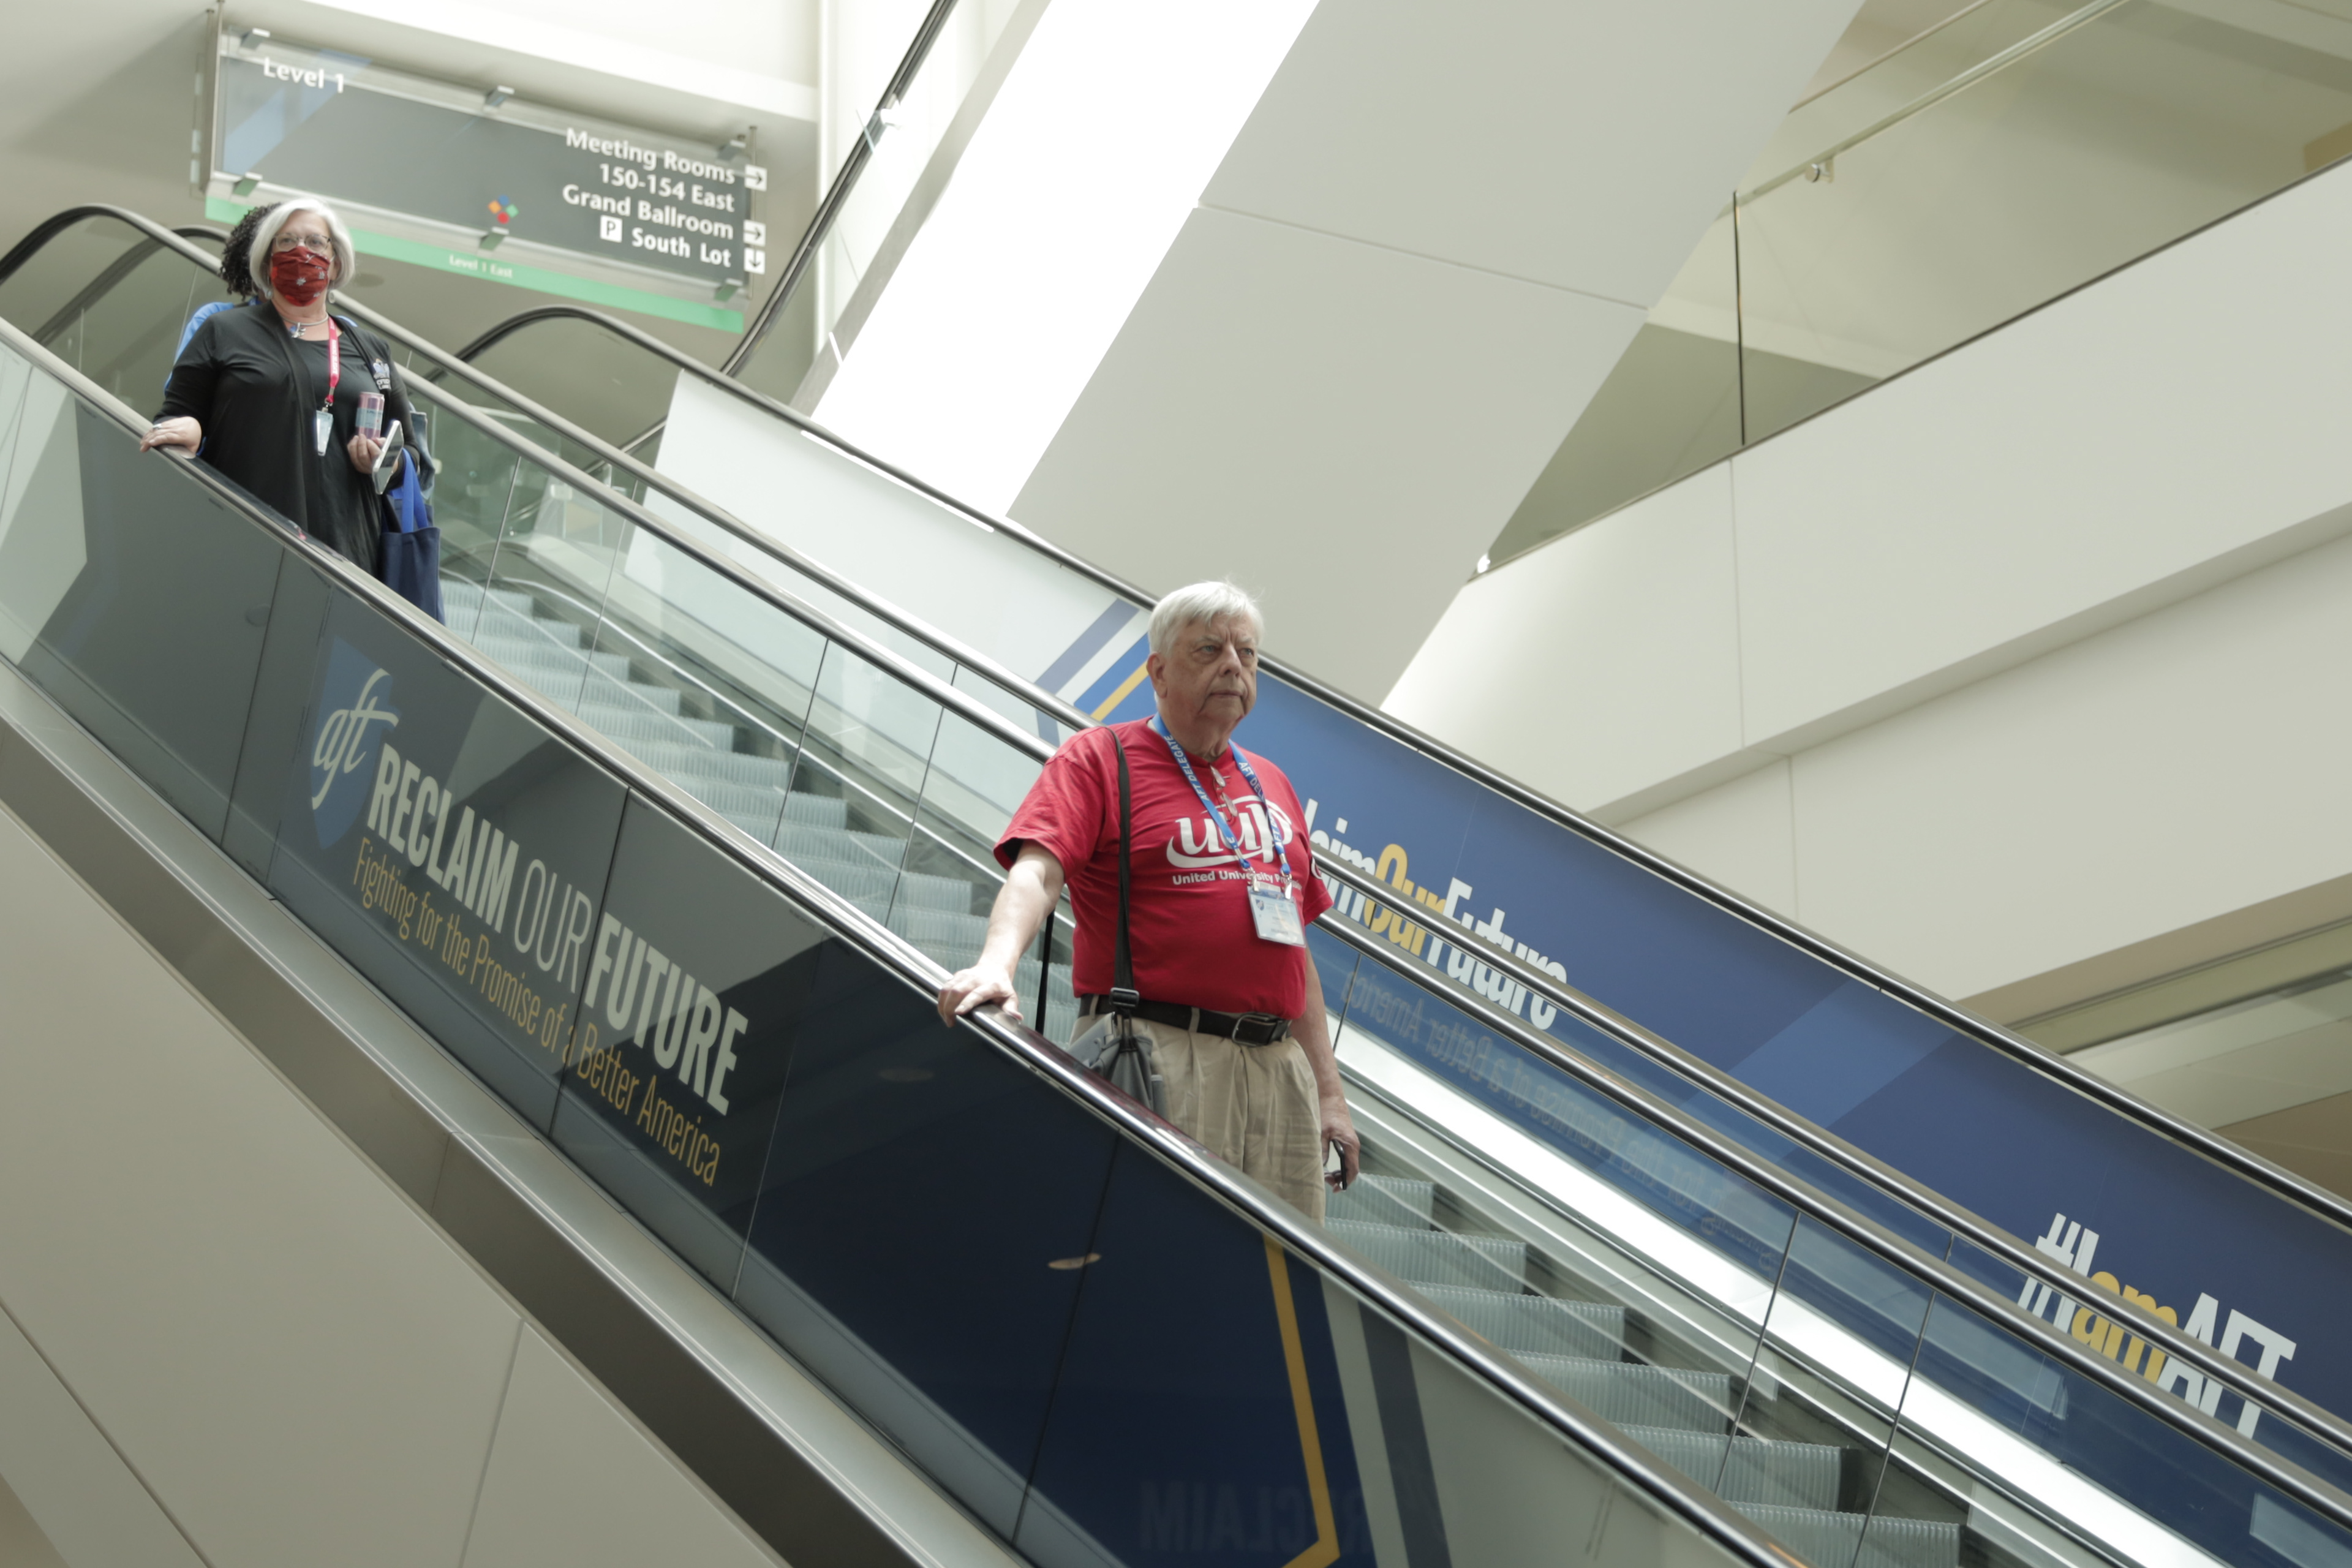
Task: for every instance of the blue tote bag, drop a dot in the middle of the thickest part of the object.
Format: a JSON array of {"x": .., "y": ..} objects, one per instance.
[{"x": 410, "y": 562}]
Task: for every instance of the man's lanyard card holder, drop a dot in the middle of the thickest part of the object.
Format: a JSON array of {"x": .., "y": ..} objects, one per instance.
[{"x": 1275, "y": 915}]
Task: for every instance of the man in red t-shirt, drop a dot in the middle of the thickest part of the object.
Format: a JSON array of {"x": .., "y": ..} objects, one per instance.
[{"x": 1222, "y": 887}]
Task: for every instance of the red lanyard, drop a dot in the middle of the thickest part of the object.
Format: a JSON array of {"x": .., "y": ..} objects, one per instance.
[{"x": 334, "y": 360}]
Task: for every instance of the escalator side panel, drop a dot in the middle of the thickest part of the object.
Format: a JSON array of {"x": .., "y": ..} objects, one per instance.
[
  {"x": 77, "y": 609},
  {"x": 921, "y": 1190},
  {"x": 1246, "y": 1455}
]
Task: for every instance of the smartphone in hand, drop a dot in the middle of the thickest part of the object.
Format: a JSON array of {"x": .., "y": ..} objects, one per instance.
[{"x": 387, "y": 460}]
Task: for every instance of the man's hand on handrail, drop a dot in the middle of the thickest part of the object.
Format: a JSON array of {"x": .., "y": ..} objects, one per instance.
[{"x": 1024, "y": 902}]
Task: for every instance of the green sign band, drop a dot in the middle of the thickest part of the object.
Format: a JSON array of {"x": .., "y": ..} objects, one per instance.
[{"x": 477, "y": 264}]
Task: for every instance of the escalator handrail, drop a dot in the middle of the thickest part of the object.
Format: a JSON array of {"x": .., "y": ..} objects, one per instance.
[
  {"x": 836, "y": 195},
  {"x": 2174, "y": 1342},
  {"x": 908, "y": 966},
  {"x": 2039, "y": 1057},
  {"x": 2230, "y": 1373},
  {"x": 1934, "y": 1272}
]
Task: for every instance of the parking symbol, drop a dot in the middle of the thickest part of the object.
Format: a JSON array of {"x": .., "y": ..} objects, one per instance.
[{"x": 608, "y": 228}]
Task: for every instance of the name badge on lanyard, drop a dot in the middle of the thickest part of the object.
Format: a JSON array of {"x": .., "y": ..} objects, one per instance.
[
  {"x": 1276, "y": 916},
  {"x": 1272, "y": 908},
  {"x": 323, "y": 419}
]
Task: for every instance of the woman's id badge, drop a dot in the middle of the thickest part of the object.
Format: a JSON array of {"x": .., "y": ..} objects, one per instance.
[
  {"x": 1276, "y": 916},
  {"x": 322, "y": 424}
]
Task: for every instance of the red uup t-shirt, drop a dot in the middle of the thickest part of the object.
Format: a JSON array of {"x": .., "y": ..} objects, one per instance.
[{"x": 1190, "y": 932}]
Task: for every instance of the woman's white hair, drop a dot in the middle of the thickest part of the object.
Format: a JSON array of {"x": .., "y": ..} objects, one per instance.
[
  {"x": 1205, "y": 603},
  {"x": 338, "y": 237}
]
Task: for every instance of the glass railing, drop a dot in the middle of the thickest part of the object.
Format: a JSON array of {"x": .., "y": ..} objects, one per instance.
[
  {"x": 1105, "y": 1347},
  {"x": 819, "y": 748},
  {"x": 653, "y": 978},
  {"x": 1995, "y": 164}
]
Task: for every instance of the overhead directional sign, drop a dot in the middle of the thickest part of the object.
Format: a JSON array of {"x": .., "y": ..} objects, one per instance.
[{"x": 518, "y": 193}]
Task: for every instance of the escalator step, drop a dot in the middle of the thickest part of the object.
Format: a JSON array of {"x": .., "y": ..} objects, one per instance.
[
  {"x": 930, "y": 928},
  {"x": 1818, "y": 1536},
  {"x": 736, "y": 800},
  {"x": 867, "y": 886},
  {"x": 816, "y": 810},
  {"x": 682, "y": 760},
  {"x": 1385, "y": 1200},
  {"x": 635, "y": 723},
  {"x": 1437, "y": 1257},
  {"x": 1545, "y": 1324},
  {"x": 623, "y": 693},
  {"x": 502, "y": 619},
  {"x": 1632, "y": 1394},
  {"x": 800, "y": 841},
  {"x": 1791, "y": 1475},
  {"x": 919, "y": 891}
]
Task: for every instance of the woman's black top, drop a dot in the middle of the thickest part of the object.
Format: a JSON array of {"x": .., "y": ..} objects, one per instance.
[{"x": 254, "y": 387}]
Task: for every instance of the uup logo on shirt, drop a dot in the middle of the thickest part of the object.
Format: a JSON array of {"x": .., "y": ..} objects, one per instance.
[
  {"x": 1196, "y": 841},
  {"x": 352, "y": 717}
]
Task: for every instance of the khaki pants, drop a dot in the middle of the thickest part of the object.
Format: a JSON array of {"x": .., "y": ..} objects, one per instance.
[{"x": 1254, "y": 1107}]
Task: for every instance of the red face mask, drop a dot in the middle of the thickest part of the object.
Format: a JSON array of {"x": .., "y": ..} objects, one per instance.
[{"x": 298, "y": 277}]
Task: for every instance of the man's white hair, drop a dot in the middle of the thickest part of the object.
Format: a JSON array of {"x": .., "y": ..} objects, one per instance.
[
  {"x": 339, "y": 239},
  {"x": 1204, "y": 603}
]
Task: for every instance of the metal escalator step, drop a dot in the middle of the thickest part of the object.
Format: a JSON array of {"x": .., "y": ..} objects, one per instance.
[
  {"x": 680, "y": 759},
  {"x": 800, "y": 840},
  {"x": 883, "y": 847},
  {"x": 1437, "y": 1257},
  {"x": 816, "y": 810},
  {"x": 1385, "y": 1200},
  {"x": 634, "y": 724},
  {"x": 1632, "y": 1394},
  {"x": 867, "y": 886},
  {"x": 735, "y": 800},
  {"x": 1547, "y": 1325},
  {"x": 954, "y": 940},
  {"x": 1789, "y": 1475},
  {"x": 1820, "y": 1536},
  {"x": 918, "y": 890},
  {"x": 500, "y": 618},
  {"x": 603, "y": 688},
  {"x": 509, "y": 641}
]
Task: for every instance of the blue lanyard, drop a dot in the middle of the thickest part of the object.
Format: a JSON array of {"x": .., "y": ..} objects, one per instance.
[{"x": 1224, "y": 828}]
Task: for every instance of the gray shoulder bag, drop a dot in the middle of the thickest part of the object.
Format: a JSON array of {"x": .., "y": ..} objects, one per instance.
[{"x": 1111, "y": 1045}]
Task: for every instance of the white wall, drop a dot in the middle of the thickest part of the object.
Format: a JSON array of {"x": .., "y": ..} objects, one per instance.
[
  {"x": 227, "y": 1337},
  {"x": 1907, "y": 671},
  {"x": 1064, "y": 200},
  {"x": 1421, "y": 256},
  {"x": 1205, "y": 299}
]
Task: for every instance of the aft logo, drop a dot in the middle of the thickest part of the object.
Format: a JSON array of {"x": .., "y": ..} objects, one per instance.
[{"x": 353, "y": 714}]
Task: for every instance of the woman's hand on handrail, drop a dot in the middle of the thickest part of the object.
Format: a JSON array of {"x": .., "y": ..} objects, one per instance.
[{"x": 182, "y": 437}]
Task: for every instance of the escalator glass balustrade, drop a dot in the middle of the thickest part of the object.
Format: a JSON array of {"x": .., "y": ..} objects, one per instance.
[
  {"x": 1101, "y": 1346},
  {"x": 795, "y": 1123},
  {"x": 2034, "y": 1144}
]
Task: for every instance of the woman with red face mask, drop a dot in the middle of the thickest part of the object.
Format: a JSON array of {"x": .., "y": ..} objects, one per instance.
[{"x": 269, "y": 393}]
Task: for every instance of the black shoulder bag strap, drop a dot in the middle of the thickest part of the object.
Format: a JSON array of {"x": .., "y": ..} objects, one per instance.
[{"x": 1124, "y": 997}]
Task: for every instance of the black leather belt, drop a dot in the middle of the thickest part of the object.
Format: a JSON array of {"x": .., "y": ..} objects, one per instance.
[{"x": 1242, "y": 1028}]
